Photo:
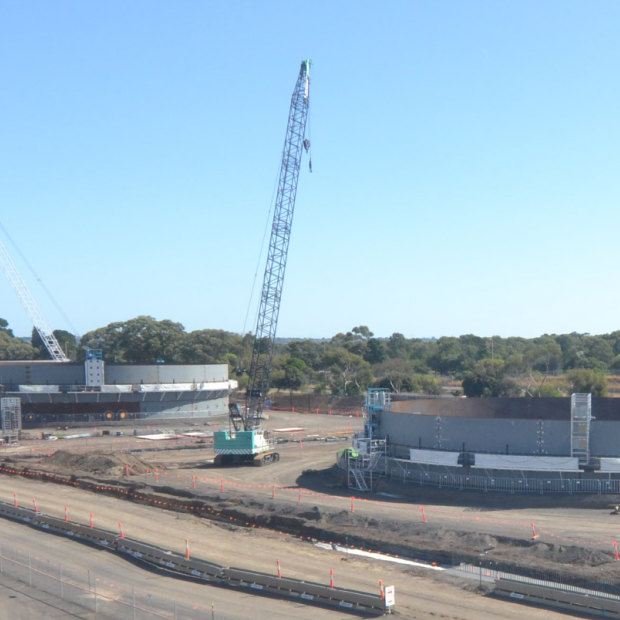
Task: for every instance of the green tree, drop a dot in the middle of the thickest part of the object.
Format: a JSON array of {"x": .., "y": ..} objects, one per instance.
[
  {"x": 210, "y": 346},
  {"x": 488, "y": 378},
  {"x": 291, "y": 374},
  {"x": 543, "y": 354},
  {"x": 346, "y": 372},
  {"x": 584, "y": 380},
  {"x": 376, "y": 351},
  {"x": 398, "y": 346},
  {"x": 4, "y": 327},
  {"x": 12, "y": 348},
  {"x": 448, "y": 358},
  {"x": 354, "y": 341},
  {"x": 141, "y": 340},
  {"x": 425, "y": 384},
  {"x": 420, "y": 352},
  {"x": 598, "y": 353},
  {"x": 615, "y": 364},
  {"x": 572, "y": 349},
  {"x": 394, "y": 374},
  {"x": 549, "y": 391},
  {"x": 474, "y": 348},
  {"x": 309, "y": 351}
]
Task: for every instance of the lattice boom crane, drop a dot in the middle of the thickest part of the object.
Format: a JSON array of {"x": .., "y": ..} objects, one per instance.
[
  {"x": 47, "y": 336},
  {"x": 248, "y": 442}
]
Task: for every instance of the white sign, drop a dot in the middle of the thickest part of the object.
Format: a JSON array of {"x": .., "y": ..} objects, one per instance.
[{"x": 389, "y": 596}]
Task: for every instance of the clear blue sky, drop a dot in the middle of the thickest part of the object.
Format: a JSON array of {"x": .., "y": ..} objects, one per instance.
[{"x": 465, "y": 156}]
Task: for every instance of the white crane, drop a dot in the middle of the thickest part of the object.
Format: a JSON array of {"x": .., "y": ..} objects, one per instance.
[{"x": 47, "y": 336}]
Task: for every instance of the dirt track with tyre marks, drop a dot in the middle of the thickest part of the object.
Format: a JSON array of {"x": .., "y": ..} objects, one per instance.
[{"x": 283, "y": 507}]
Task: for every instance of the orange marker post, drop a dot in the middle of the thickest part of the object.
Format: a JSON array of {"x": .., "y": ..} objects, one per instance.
[
  {"x": 187, "y": 548},
  {"x": 120, "y": 526},
  {"x": 15, "y": 500},
  {"x": 92, "y": 521},
  {"x": 279, "y": 569},
  {"x": 331, "y": 577},
  {"x": 66, "y": 514}
]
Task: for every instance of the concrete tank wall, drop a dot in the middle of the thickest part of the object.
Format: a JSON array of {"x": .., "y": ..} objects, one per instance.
[
  {"x": 32, "y": 372},
  {"x": 477, "y": 435},
  {"x": 505, "y": 408},
  {"x": 605, "y": 438},
  {"x": 499, "y": 425},
  {"x": 165, "y": 373},
  {"x": 14, "y": 373}
]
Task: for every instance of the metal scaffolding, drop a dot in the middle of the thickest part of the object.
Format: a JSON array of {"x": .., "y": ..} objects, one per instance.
[
  {"x": 365, "y": 463},
  {"x": 580, "y": 418},
  {"x": 11, "y": 414},
  {"x": 368, "y": 458}
]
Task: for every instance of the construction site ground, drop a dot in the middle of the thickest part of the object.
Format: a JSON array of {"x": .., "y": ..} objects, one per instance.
[{"x": 167, "y": 492}]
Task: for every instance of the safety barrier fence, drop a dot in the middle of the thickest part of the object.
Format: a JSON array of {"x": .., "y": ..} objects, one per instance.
[
  {"x": 201, "y": 570},
  {"x": 486, "y": 572},
  {"x": 354, "y": 411},
  {"x": 576, "y": 603},
  {"x": 413, "y": 473}
]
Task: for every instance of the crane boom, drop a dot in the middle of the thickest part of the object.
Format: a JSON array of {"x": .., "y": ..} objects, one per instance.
[
  {"x": 248, "y": 420},
  {"x": 47, "y": 336},
  {"x": 267, "y": 321}
]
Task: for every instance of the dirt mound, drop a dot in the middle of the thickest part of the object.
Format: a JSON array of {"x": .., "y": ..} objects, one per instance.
[
  {"x": 568, "y": 554},
  {"x": 96, "y": 463}
]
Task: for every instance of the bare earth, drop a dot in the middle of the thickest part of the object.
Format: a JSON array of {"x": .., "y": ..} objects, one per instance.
[{"x": 253, "y": 516}]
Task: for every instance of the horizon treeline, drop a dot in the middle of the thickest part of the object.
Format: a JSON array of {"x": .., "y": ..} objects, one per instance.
[{"x": 348, "y": 363}]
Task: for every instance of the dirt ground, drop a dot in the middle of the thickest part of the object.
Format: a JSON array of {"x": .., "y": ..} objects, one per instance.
[{"x": 303, "y": 495}]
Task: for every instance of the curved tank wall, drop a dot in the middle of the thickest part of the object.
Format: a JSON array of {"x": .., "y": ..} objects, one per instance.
[
  {"x": 34, "y": 372},
  {"x": 502, "y": 426},
  {"x": 52, "y": 392}
]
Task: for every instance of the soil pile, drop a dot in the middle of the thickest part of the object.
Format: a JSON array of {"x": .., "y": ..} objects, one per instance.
[{"x": 95, "y": 464}]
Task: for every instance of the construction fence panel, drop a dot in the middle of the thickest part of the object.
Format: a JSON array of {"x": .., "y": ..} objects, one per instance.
[
  {"x": 566, "y": 483},
  {"x": 91, "y": 591}
]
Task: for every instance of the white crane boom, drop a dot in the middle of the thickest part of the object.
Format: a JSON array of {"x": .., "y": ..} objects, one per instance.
[{"x": 47, "y": 336}]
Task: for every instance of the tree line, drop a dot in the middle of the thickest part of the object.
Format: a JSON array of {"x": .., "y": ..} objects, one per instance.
[{"x": 348, "y": 363}]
